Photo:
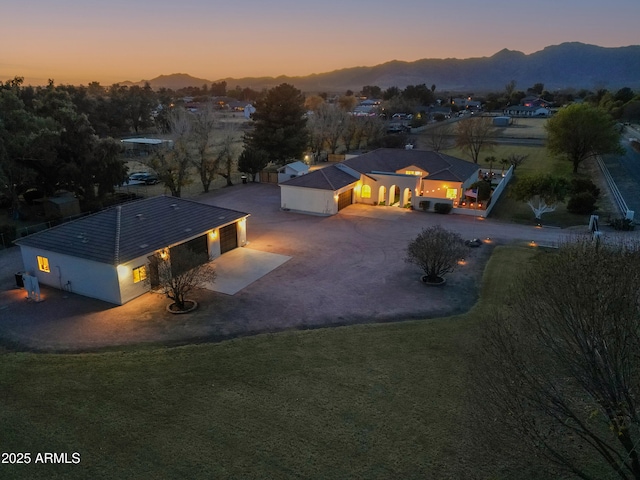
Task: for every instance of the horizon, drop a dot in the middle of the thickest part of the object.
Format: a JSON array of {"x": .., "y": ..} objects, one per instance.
[{"x": 78, "y": 42}]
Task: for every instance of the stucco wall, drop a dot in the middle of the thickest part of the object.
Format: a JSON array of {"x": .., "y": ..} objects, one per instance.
[
  {"x": 128, "y": 289},
  {"x": 308, "y": 200},
  {"x": 84, "y": 277}
]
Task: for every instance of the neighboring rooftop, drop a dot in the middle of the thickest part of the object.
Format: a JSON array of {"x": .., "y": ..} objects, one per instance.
[{"x": 122, "y": 233}]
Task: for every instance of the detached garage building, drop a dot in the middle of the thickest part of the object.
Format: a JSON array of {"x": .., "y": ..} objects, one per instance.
[{"x": 112, "y": 255}]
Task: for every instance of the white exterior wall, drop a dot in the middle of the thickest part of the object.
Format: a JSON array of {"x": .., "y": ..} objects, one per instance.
[
  {"x": 308, "y": 200},
  {"x": 403, "y": 182},
  {"x": 77, "y": 275},
  {"x": 213, "y": 243},
  {"x": 128, "y": 289},
  {"x": 242, "y": 232}
]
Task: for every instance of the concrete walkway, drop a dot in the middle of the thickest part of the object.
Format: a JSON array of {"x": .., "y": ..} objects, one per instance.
[{"x": 239, "y": 268}]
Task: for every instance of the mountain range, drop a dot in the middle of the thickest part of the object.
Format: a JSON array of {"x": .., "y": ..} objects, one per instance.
[{"x": 568, "y": 65}]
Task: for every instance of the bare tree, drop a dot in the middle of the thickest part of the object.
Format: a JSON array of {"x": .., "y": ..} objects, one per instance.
[
  {"x": 372, "y": 130},
  {"x": 172, "y": 163},
  {"x": 327, "y": 124},
  {"x": 226, "y": 154},
  {"x": 473, "y": 135},
  {"x": 557, "y": 372},
  {"x": 541, "y": 192},
  {"x": 182, "y": 272},
  {"x": 437, "y": 137},
  {"x": 202, "y": 138},
  {"x": 513, "y": 159},
  {"x": 349, "y": 132},
  {"x": 437, "y": 252}
]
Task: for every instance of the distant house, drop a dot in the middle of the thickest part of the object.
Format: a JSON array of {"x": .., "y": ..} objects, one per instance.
[
  {"x": 292, "y": 170},
  {"x": 466, "y": 103},
  {"x": 386, "y": 176},
  {"x": 521, "y": 111},
  {"x": 535, "y": 102},
  {"x": 113, "y": 255}
]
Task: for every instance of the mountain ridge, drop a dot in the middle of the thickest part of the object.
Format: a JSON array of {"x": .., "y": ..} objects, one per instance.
[{"x": 566, "y": 65}]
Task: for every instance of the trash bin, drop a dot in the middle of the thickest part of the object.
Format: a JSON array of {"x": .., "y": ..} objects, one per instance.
[
  {"x": 19, "y": 282},
  {"x": 244, "y": 178}
]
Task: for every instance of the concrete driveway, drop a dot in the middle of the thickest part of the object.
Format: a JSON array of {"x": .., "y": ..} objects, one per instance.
[{"x": 298, "y": 271}]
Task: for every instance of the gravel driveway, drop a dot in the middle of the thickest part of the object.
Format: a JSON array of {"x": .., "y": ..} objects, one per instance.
[{"x": 344, "y": 269}]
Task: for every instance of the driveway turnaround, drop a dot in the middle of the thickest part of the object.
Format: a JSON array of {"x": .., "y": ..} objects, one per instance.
[{"x": 298, "y": 272}]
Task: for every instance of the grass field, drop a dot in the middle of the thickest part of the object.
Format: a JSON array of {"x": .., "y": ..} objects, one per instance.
[
  {"x": 384, "y": 401},
  {"x": 538, "y": 161}
]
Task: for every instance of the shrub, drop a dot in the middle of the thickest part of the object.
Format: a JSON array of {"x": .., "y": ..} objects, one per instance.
[
  {"x": 484, "y": 190},
  {"x": 579, "y": 185},
  {"x": 443, "y": 208},
  {"x": 436, "y": 251},
  {"x": 582, "y": 203},
  {"x": 424, "y": 205},
  {"x": 622, "y": 224}
]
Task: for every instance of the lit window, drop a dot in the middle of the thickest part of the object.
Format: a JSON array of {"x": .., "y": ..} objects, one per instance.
[
  {"x": 139, "y": 274},
  {"x": 366, "y": 191},
  {"x": 417, "y": 173},
  {"x": 43, "y": 264}
]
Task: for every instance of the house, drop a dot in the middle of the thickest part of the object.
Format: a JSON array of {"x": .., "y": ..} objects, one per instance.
[
  {"x": 292, "y": 170},
  {"x": 113, "y": 255},
  {"x": 466, "y": 103},
  {"x": 521, "y": 111},
  {"x": 385, "y": 176},
  {"x": 535, "y": 102}
]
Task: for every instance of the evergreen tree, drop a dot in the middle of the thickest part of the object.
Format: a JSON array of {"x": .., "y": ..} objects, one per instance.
[{"x": 280, "y": 126}]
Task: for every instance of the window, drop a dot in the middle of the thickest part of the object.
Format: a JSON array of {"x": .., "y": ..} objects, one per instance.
[
  {"x": 366, "y": 191},
  {"x": 43, "y": 264},
  {"x": 139, "y": 274},
  {"x": 417, "y": 173}
]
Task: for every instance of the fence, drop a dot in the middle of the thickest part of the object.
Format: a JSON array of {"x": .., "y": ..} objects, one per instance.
[
  {"x": 268, "y": 177},
  {"x": 617, "y": 196}
]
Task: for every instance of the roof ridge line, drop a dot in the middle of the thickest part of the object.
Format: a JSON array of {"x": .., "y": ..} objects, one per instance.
[
  {"x": 327, "y": 178},
  {"x": 117, "y": 249}
]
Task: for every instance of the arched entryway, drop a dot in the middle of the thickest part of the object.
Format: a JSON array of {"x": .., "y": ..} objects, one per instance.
[
  {"x": 382, "y": 193},
  {"x": 394, "y": 195},
  {"x": 406, "y": 197}
]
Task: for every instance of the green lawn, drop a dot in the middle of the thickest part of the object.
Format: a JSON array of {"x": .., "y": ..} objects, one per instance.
[
  {"x": 370, "y": 401},
  {"x": 538, "y": 161}
]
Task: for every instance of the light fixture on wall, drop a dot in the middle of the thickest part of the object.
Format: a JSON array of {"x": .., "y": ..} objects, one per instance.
[{"x": 164, "y": 254}]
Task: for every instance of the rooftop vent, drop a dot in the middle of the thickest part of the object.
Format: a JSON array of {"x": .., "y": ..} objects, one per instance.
[{"x": 174, "y": 206}]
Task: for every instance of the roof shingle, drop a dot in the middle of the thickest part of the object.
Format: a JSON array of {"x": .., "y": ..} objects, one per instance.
[{"x": 122, "y": 233}]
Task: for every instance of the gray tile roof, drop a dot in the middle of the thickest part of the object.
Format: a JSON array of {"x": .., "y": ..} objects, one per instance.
[
  {"x": 122, "y": 233},
  {"x": 439, "y": 165},
  {"x": 327, "y": 178}
]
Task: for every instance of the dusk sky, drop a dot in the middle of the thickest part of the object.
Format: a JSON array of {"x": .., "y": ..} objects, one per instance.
[{"x": 79, "y": 41}]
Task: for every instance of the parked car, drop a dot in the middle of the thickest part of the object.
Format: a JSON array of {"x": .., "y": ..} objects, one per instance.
[{"x": 143, "y": 178}]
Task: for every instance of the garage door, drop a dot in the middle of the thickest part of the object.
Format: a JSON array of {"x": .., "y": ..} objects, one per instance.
[
  {"x": 190, "y": 254},
  {"x": 228, "y": 238},
  {"x": 345, "y": 199}
]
